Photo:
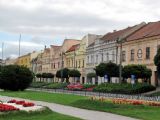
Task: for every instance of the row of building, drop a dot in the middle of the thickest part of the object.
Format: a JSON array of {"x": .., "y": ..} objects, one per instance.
[{"x": 133, "y": 45}]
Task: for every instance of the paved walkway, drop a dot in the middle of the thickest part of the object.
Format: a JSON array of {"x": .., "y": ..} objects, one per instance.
[
  {"x": 151, "y": 92},
  {"x": 76, "y": 112}
]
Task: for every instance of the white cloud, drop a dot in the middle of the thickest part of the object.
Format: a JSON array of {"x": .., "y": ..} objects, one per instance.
[{"x": 51, "y": 19}]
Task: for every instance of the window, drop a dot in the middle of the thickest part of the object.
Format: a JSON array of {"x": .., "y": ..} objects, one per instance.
[
  {"x": 92, "y": 59},
  {"x": 147, "y": 52},
  {"x": 62, "y": 63},
  {"x": 58, "y": 65},
  {"x": 139, "y": 53},
  {"x": 102, "y": 57},
  {"x": 72, "y": 63},
  {"x": 79, "y": 63},
  {"x": 83, "y": 64},
  {"x": 76, "y": 63},
  {"x": 123, "y": 56},
  {"x": 69, "y": 63},
  {"x": 96, "y": 58},
  {"x": 88, "y": 59},
  {"x": 113, "y": 56},
  {"x": 54, "y": 66},
  {"x": 107, "y": 56},
  {"x": 132, "y": 55}
]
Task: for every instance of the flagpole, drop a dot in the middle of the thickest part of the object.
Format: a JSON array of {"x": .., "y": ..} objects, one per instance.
[
  {"x": 19, "y": 45},
  {"x": 2, "y": 52}
]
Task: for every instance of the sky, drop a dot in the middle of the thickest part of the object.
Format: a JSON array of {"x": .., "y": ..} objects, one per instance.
[{"x": 46, "y": 22}]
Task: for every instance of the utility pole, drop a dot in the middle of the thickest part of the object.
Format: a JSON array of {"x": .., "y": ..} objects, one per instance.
[
  {"x": 62, "y": 67},
  {"x": 120, "y": 64},
  {"x": 74, "y": 62},
  {"x": 2, "y": 51},
  {"x": 19, "y": 45}
]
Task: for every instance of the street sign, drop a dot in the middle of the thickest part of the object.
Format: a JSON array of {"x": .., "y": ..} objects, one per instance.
[
  {"x": 133, "y": 78},
  {"x": 106, "y": 78}
]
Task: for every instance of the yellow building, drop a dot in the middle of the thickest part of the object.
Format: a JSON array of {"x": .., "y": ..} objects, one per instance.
[
  {"x": 141, "y": 47},
  {"x": 76, "y": 56},
  {"x": 24, "y": 60}
]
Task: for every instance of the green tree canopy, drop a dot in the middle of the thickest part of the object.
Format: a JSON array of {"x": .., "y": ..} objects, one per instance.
[
  {"x": 111, "y": 69},
  {"x": 74, "y": 73},
  {"x": 100, "y": 69},
  {"x": 157, "y": 62},
  {"x": 62, "y": 73},
  {"x": 140, "y": 71}
]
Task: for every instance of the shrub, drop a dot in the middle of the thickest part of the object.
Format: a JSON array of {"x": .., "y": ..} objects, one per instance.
[
  {"x": 56, "y": 85},
  {"x": 124, "y": 88},
  {"x": 13, "y": 77},
  {"x": 38, "y": 84}
]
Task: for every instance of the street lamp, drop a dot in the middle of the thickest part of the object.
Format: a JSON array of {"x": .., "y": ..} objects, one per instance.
[
  {"x": 120, "y": 41},
  {"x": 61, "y": 54}
]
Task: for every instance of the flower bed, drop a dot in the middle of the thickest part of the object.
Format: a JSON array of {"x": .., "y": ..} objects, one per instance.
[
  {"x": 126, "y": 101},
  {"x": 22, "y": 102},
  {"x": 6, "y": 108},
  {"x": 79, "y": 86},
  {"x": 135, "y": 102}
]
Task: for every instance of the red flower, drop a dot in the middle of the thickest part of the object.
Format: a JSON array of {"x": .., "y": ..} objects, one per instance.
[
  {"x": 28, "y": 104},
  {"x": 5, "y": 108}
]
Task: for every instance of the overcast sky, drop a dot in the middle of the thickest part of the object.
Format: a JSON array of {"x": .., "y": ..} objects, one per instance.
[{"x": 45, "y": 22}]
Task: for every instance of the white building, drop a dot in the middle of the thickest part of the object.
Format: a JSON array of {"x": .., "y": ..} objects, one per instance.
[{"x": 105, "y": 49}]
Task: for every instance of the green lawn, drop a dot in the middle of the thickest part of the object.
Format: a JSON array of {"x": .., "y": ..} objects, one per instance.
[
  {"x": 155, "y": 94},
  {"x": 45, "y": 115},
  {"x": 142, "y": 112}
]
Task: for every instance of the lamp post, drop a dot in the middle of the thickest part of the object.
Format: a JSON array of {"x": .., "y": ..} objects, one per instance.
[
  {"x": 74, "y": 63},
  {"x": 2, "y": 52},
  {"x": 120, "y": 41},
  {"x": 62, "y": 53}
]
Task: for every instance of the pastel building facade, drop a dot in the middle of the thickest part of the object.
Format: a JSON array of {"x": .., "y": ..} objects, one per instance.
[
  {"x": 24, "y": 60},
  {"x": 141, "y": 47},
  {"x": 57, "y": 55},
  {"x": 105, "y": 49},
  {"x": 76, "y": 56}
]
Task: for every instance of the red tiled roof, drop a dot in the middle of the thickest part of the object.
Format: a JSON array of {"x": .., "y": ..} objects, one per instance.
[
  {"x": 150, "y": 29},
  {"x": 114, "y": 35},
  {"x": 73, "y": 48}
]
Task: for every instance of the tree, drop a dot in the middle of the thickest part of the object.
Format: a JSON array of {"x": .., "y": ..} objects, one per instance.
[
  {"x": 39, "y": 75},
  {"x": 13, "y": 77},
  {"x": 111, "y": 69},
  {"x": 140, "y": 71},
  {"x": 74, "y": 73},
  {"x": 157, "y": 62},
  {"x": 63, "y": 73},
  {"x": 100, "y": 69}
]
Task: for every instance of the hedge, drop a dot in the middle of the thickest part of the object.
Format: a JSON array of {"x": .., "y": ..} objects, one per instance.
[{"x": 123, "y": 88}]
